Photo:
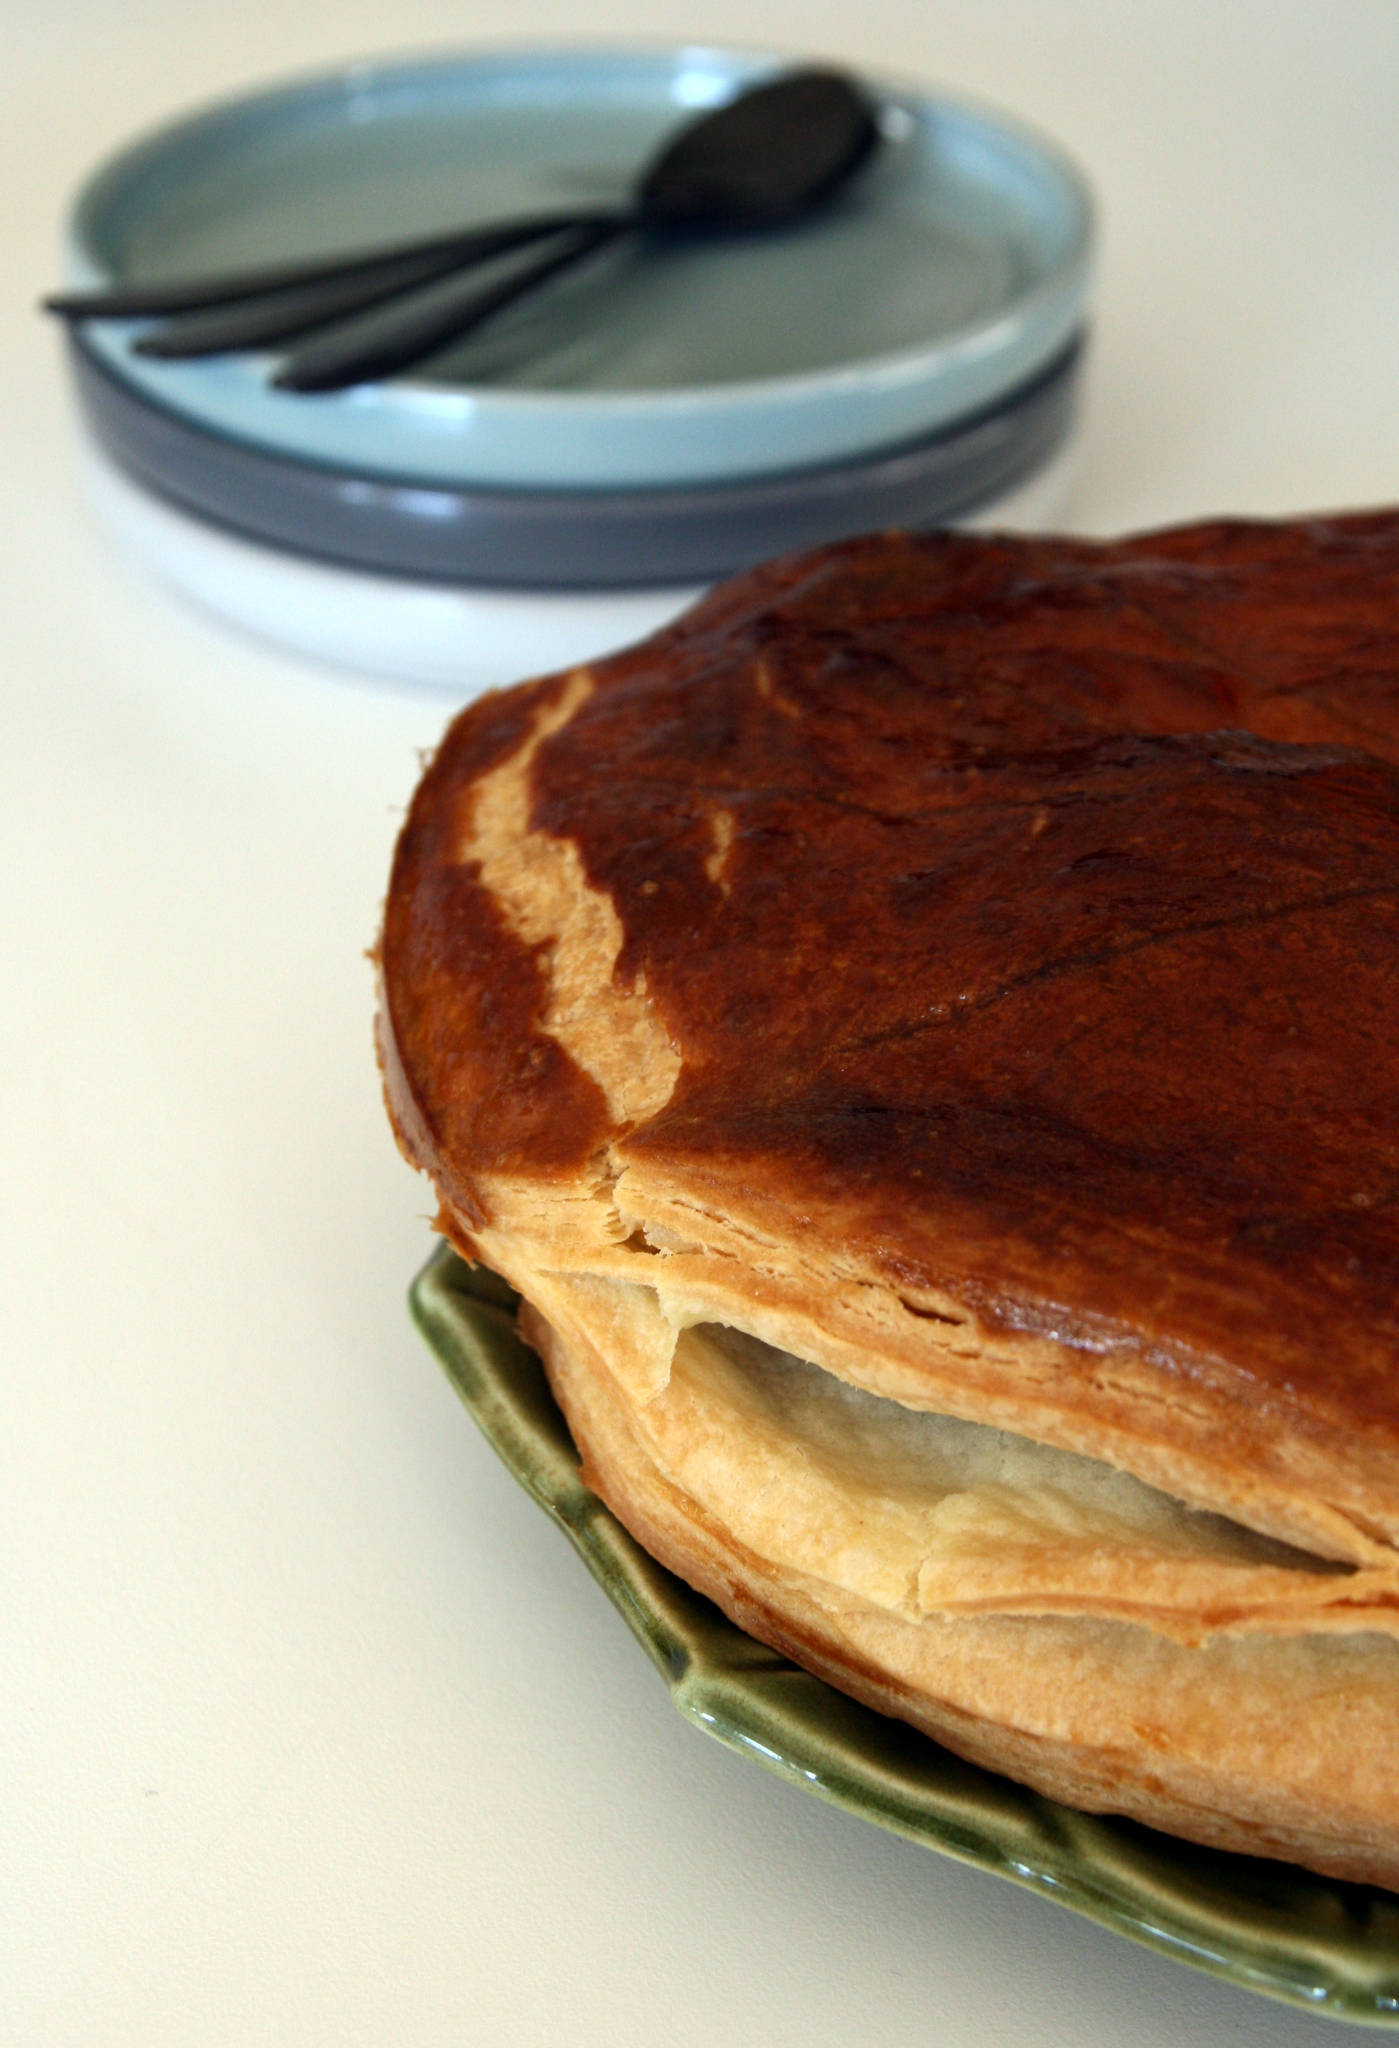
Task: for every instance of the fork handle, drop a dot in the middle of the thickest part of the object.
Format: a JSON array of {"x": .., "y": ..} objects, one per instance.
[
  {"x": 342, "y": 359},
  {"x": 187, "y": 295},
  {"x": 296, "y": 311}
]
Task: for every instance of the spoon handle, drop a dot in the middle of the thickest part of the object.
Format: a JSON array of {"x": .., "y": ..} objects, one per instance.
[
  {"x": 187, "y": 295},
  {"x": 418, "y": 331},
  {"x": 299, "y": 309}
]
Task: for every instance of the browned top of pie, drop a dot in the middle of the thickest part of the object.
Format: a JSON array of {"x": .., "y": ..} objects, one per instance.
[{"x": 1022, "y": 921}]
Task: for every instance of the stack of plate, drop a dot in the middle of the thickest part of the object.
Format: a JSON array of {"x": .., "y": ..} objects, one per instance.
[{"x": 571, "y": 475}]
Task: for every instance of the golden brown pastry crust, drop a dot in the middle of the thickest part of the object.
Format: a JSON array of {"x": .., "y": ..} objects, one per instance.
[
  {"x": 1283, "y": 1749},
  {"x": 971, "y": 965}
]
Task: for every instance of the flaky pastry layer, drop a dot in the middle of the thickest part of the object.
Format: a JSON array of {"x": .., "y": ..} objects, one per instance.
[{"x": 1280, "y": 1745}]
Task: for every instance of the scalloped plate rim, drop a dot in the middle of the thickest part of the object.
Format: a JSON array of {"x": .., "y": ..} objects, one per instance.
[{"x": 764, "y": 1707}]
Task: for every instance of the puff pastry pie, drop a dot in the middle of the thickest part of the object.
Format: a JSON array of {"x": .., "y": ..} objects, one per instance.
[{"x": 922, "y": 1035}]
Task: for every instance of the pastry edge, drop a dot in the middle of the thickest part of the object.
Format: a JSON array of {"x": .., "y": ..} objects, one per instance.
[{"x": 948, "y": 1678}]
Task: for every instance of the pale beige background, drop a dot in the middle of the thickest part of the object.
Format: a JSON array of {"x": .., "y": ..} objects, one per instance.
[{"x": 311, "y": 1730}]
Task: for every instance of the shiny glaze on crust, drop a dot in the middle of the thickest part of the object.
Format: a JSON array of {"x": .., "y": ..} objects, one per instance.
[
  {"x": 474, "y": 1086},
  {"x": 1027, "y": 915}
]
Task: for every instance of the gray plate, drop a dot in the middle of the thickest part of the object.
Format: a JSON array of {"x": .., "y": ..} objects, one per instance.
[{"x": 575, "y": 539}]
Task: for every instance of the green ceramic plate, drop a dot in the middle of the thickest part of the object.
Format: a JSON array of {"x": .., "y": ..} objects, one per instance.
[{"x": 1331, "y": 1947}]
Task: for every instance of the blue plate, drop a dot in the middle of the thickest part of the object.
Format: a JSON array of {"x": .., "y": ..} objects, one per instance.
[{"x": 951, "y": 273}]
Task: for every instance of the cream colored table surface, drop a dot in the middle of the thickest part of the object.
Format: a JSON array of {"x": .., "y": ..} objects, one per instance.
[{"x": 311, "y": 1730}]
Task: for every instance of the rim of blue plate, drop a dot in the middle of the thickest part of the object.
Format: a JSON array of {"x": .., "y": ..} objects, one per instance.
[
  {"x": 1013, "y": 187},
  {"x": 1314, "y": 1942}
]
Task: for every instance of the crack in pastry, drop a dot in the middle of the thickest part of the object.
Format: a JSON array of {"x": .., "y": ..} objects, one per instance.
[{"x": 926, "y": 1514}]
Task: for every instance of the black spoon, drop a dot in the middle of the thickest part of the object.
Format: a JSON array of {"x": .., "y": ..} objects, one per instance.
[{"x": 765, "y": 158}]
